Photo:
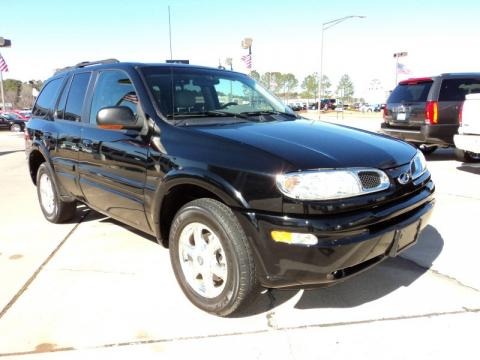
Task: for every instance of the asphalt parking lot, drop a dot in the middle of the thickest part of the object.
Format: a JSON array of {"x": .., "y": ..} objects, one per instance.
[{"x": 94, "y": 288}]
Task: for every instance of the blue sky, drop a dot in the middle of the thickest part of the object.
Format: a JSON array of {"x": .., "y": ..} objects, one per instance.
[{"x": 440, "y": 36}]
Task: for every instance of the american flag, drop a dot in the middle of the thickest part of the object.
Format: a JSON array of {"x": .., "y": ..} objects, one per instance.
[
  {"x": 3, "y": 64},
  {"x": 402, "y": 69},
  {"x": 247, "y": 59}
]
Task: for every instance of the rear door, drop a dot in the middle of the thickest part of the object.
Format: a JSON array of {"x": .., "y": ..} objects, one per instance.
[
  {"x": 451, "y": 96},
  {"x": 406, "y": 104},
  {"x": 67, "y": 117}
]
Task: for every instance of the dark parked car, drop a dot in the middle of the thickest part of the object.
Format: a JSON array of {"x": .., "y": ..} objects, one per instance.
[
  {"x": 425, "y": 111},
  {"x": 244, "y": 192},
  {"x": 11, "y": 122}
]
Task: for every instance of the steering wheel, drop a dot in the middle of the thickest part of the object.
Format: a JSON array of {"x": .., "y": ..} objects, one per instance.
[{"x": 228, "y": 104}]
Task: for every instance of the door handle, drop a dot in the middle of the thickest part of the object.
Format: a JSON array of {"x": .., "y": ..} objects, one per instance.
[{"x": 48, "y": 140}]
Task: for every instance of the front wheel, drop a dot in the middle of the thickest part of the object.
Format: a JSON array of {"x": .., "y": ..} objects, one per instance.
[
  {"x": 211, "y": 257},
  {"x": 466, "y": 156},
  {"x": 15, "y": 128},
  {"x": 53, "y": 207}
]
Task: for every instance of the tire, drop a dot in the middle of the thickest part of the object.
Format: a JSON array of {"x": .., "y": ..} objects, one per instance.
[
  {"x": 205, "y": 234},
  {"x": 466, "y": 156},
  {"x": 15, "y": 127},
  {"x": 426, "y": 150},
  {"x": 54, "y": 209}
]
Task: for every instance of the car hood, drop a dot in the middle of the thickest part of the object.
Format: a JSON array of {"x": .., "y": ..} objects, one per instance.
[{"x": 316, "y": 144}]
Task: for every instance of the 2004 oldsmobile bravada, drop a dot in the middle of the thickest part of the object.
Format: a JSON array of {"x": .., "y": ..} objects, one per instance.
[{"x": 244, "y": 193}]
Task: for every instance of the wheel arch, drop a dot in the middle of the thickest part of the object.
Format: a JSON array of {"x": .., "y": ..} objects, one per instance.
[
  {"x": 38, "y": 154},
  {"x": 35, "y": 158},
  {"x": 184, "y": 186}
]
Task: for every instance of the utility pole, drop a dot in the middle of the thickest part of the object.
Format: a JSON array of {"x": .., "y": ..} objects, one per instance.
[{"x": 3, "y": 43}]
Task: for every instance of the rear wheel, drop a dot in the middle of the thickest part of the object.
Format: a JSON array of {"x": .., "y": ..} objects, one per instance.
[
  {"x": 466, "y": 156},
  {"x": 211, "y": 257},
  {"x": 54, "y": 209}
]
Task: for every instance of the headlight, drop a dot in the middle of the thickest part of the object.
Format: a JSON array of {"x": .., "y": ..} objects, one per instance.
[
  {"x": 332, "y": 184},
  {"x": 418, "y": 165}
]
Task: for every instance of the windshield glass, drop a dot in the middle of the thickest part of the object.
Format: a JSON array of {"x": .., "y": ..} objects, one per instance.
[{"x": 182, "y": 92}]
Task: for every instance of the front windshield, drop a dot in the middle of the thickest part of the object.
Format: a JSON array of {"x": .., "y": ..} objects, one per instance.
[{"x": 182, "y": 92}]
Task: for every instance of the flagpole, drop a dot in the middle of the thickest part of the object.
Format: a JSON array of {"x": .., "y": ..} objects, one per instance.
[
  {"x": 396, "y": 56},
  {"x": 396, "y": 71},
  {"x": 1, "y": 87}
]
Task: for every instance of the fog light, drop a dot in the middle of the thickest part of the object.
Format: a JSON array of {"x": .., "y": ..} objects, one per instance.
[{"x": 294, "y": 238}]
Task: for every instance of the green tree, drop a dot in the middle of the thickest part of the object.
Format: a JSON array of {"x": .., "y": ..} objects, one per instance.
[
  {"x": 326, "y": 84},
  {"x": 290, "y": 84},
  {"x": 12, "y": 90},
  {"x": 310, "y": 86},
  {"x": 36, "y": 84},
  {"x": 255, "y": 75},
  {"x": 273, "y": 81},
  {"x": 345, "y": 88}
]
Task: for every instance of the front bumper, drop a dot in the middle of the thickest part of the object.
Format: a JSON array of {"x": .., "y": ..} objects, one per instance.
[
  {"x": 439, "y": 134},
  {"x": 468, "y": 142},
  {"x": 348, "y": 243}
]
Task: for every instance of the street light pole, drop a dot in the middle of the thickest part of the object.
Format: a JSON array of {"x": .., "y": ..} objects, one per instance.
[{"x": 325, "y": 26}]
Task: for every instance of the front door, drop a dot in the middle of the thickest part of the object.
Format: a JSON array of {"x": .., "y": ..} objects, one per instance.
[{"x": 112, "y": 162}]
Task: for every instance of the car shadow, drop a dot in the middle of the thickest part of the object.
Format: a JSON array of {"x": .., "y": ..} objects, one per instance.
[
  {"x": 442, "y": 154},
  {"x": 471, "y": 168},
  {"x": 367, "y": 286},
  {"x": 10, "y": 152},
  {"x": 131, "y": 229},
  {"x": 370, "y": 285},
  {"x": 84, "y": 214}
]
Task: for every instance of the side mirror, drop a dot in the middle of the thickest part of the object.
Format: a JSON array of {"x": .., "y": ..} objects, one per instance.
[{"x": 117, "y": 117}]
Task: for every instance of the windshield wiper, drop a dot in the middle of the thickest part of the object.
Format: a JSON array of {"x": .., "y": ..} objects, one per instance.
[
  {"x": 268, "y": 112},
  {"x": 225, "y": 113},
  {"x": 183, "y": 117}
]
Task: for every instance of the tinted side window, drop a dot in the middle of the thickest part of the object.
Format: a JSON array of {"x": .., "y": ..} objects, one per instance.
[
  {"x": 456, "y": 89},
  {"x": 113, "y": 88},
  {"x": 47, "y": 97},
  {"x": 410, "y": 93},
  {"x": 76, "y": 96}
]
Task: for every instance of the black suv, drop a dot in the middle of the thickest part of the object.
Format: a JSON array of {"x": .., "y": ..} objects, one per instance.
[
  {"x": 425, "y": 111},
  {"x": 245, "y": 193}
]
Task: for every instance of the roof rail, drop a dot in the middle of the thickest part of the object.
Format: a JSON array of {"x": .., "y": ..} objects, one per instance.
[
  {"x": 87, "y": 63},
  {"x": 97, "y": 62}
]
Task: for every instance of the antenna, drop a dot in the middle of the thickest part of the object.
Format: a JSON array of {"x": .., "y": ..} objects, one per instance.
[{"x": 170, "y": 32}]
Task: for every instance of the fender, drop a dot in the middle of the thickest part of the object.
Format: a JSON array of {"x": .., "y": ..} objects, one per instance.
[
  {"x": 198, "y": 177},
  {"x": 41, "y": 147}
]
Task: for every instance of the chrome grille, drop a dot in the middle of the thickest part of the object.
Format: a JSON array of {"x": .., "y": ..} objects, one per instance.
[{"x": 369, "y": 179}]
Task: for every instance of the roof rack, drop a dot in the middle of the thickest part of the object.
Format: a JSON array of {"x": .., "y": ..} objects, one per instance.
[
  {"x": 97, "y": 62},
  {"x": 87, "y": 63}
]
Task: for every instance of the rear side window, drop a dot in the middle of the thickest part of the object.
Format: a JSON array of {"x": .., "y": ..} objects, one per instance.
[
  {"x": 456, "y": 89},
  {"x": 47, "y": 97},
  {"x": 410, "y": 93},
  {"x": 76, "y": 97}
]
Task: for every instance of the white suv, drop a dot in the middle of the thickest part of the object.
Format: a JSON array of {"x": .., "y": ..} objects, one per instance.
[{"x": 467, "y": 140}]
